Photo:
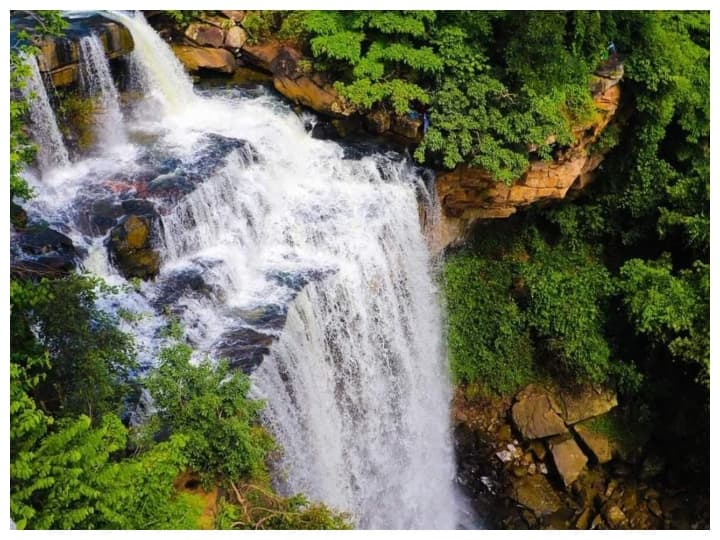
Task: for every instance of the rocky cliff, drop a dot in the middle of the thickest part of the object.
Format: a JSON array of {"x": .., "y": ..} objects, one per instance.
[
  {"x": 468, "y": 195},
  {"x": 59, "y": 57}
]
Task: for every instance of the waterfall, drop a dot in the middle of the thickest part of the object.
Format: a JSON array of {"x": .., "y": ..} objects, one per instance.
[
  {"x": 51, "y": 148},
  {"x": 163, "y": 70},
  {"x": 97, "y": 81},
  {"x": 304, "y": 262}
]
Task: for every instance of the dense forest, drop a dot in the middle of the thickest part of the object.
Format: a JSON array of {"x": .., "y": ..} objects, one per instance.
[{"x": 611, "y": 288}]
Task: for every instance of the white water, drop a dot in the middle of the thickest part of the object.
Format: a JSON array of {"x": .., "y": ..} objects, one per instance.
[
  {"x": 98, "y": 83},
  {"x": 51, "y": 148},
  {"x": 356, "y": 382}
]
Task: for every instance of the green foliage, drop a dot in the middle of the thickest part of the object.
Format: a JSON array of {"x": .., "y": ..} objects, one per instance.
[
  {"x": 90, "y": 358},
  {"x": 673, "y": 310},
  {"x": 488, "y": 339},
  {"x": 183, "y": 17},
  {"x": 209, "y": 405},
  {"x": 568, "y": 292}
]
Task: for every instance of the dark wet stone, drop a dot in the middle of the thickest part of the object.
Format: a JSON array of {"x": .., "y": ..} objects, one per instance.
[
  {"x": 18, "y": 216},
  {"x": 324, "y": 131},
  {"x": 139, "y": 207},
  {"x": 244, "y": 348},
  {"x": 185, "y": 282},
  {"x": 270, "y": 316},
  {"x": 298, "y": 280},
  {"x": 131, "y": 247},
  {"x": 42, "y": 251}
]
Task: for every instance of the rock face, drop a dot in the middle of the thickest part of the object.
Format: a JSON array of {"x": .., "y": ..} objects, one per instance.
[
  {"x": 568, "y": 458},
  {"x": 311, "y": 90},
  {"x": 131, "y": 242},
  {"x": 535, "y": 414},
  {"x": 60, "y": 57},
  {"x": 194, "y": 58},
  {"x": 468, "y": 194}
]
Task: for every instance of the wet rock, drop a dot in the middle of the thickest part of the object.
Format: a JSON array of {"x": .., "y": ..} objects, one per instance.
[
  {"x": 248, "y": 76},
  {"x": 185, "y": 282},
  {"x": 568, "y": 458},
  {"x": 535, "y": 414},
  {"x": 324, "y": 131},
  {"x": 41, "y": 251},
  {"x": 542, "y": 468},
  {"x": 244, "y": 348},
  {"x": 235, "y": 38},
  {"x": 504, "y": 455},
  {"x": 131, "y": 246},
  {"x": 100, "y": 217},
  {"x": 194, "y": 58},
  {"x": 598, "y": 444},
  {"x": 18, "y": 216},
  {"x": 614, "y": 516},
  {"x": 535, "y": 493}
]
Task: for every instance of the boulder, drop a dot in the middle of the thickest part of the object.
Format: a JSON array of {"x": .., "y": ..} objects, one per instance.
[
  {"x": 378, "y": 121},
  {"x": 194, "y": 58},
  {"x": 536, "y": 493},
  {"x": 535, "y": 414},
  {"x": 407, "y": 127},
  {"x": 235, "y": 38},
  {"x": 235, "y": 15},
  {"x": 205, "y": 34},
  {"x": 131, "y": 246},
  {"x": 596, "y": 442},
  {"x": 568, "y": 458},
  {"x": 586, "y": 402},
  {"x": 614, "y": 516},
  {"x": 41, "y": 251}
]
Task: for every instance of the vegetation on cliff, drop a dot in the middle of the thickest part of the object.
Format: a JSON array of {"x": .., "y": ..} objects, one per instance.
[{"x": 612, "y": 287}]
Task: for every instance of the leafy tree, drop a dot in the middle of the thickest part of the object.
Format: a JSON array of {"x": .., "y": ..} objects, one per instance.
[
  {"x": 90, "y": 359},
  {"x": 209, "y": 405}
]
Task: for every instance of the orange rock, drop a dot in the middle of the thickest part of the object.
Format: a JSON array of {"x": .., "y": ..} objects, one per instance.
[{"x": 194, "y": 58}]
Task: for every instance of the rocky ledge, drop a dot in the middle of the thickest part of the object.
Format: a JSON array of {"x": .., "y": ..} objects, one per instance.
[
  {"x": 59, "y": 57},
  {"x": 468, "y": 195}
]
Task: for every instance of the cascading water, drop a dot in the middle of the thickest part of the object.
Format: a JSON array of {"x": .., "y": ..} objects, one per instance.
[
  {"x": 297, "y": 258},
  {"x": 51, "y": 148},
  {"x": 97, "y": 82}
]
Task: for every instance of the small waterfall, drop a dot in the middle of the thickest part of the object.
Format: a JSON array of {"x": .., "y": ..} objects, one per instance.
[
  {"x": 51, "y": 148},
  {"x": 163, "y": 70},
  {"x": 97, "y": 81}
]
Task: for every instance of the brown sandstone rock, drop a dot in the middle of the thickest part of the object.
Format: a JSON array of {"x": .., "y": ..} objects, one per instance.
[
  {"x": 194, "y": 58},
  {"x": 598, "y": 444},
  {"x": 535, "y": 414},
  {"x": 205, "y": 34},
  {"x": 586, "y": 402},
  {"x": 235, "y": 38},
  {"x": 569, "y": 459},
  {"x": 535, "y": 493},
  {"x": 614, "y": 516}
]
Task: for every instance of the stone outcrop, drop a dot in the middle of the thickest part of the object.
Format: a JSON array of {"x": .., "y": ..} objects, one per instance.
[
  {"x": 585, "y": 402},
  {"x": 568, "y": 458},
  {"x": 131, "y": 241},
  {"x": 195, "y": 58},
  {"x": 468, "y": 194},
  {"x": 535, "y": 414},
  {"x": 60, "y": 57},
  {"x": 39, "y": 251},
  {"x": 312, "y": 90}
]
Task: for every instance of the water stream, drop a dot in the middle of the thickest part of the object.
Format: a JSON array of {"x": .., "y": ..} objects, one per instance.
[{"x": 302, "y": 261}]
